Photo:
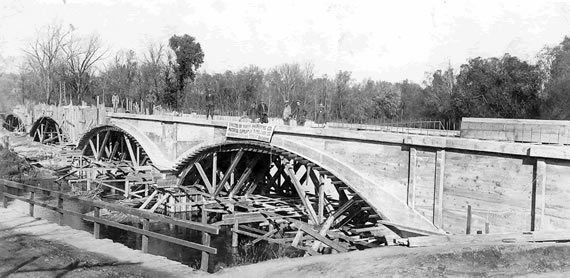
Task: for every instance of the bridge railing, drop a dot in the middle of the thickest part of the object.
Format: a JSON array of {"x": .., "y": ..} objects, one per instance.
[{"x": 207, "y": 230}]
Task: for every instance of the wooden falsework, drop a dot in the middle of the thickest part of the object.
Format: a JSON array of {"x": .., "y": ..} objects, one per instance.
[
  {"x": 538, "y": 195},
  {"x": 230, "y": 170},
  {"x": 438, "y": 191},
  {"x": 412, "y": 177}
]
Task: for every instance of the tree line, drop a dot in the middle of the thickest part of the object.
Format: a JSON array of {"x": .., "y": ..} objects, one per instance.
[{"x": 61, "y": 66}]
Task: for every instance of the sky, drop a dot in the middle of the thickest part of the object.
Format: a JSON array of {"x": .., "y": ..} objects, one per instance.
[{"x": 381, "y": 40}]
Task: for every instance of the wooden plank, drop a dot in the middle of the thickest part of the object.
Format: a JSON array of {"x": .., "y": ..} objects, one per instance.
[
  {"x": 302, "y": 195},
  {"x": 506, "y": 238},
  {"x": 265, "y": 236},
  {"x": 131, "y": 152},
  {"x": 148, "y": 200},
  {"x": 438, "y": 190},
  {"x": 159, "y": 202},
  {"x": 323, "y": 232},
  {"x": 204, "y": 177},
  {"x": 93, "y": 149},
  {"x": 307, "y": 229},
  {"x": 105, "y": 139},
  {"x": 298, "y": 237},
  {"x": 244, "y": 176},
  {"x": 408, "y": 229}
]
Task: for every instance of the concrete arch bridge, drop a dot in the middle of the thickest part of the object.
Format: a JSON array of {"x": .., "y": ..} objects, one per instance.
[{"x": 322, "y": 189}]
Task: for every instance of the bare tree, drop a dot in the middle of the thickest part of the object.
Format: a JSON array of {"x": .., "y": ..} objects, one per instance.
[
  {"x": 45, "y": 53},
  {"x": 80, "y": 56},
  {"x": 153, "y": 67}
]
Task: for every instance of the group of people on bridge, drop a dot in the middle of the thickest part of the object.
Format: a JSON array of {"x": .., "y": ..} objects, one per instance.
[{"x": 259, "y": 112}]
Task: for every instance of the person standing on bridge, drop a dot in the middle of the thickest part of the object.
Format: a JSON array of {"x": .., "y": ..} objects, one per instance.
[
  {"x": 262, "y": 112},
  {"x": 252, "y": 112},
  {"x": 321, "y": 116},
  {"x": 300, "y": 114},
  {"x": 209, "y": 104}
]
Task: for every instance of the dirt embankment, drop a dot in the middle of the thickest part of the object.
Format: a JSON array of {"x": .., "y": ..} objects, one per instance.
[{"x": 526, "y": 260}]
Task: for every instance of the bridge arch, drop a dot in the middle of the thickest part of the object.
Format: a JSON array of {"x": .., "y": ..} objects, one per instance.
[
  {"x": 121, "y": 142},
  {"x": 13, "y": 123},
  {"x": 311, "y": 185},
  {"x": 47, "y": 131}
]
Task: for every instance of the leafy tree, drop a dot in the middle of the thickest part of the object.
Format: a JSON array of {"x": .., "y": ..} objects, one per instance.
[
  {"x": 340, "y": 97},
  {"x": 555, "y": 64},
  {"x": 189, "y": 57},
  {"x": 493, "y": 87},
  {"x": 437, "y": 98},
  {"x": 412, "y": 102}
]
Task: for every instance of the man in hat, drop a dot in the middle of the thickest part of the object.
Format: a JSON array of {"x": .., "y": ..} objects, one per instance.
[
  {"x": 300, "y": 114},
  {"x": 321, "y": 120},
  {"x": 262, "y": 112},
  {"x": 209, "y": 104}
]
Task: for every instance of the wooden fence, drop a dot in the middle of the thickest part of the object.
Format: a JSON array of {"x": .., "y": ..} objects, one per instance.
[{"x": 206, "y": 229}]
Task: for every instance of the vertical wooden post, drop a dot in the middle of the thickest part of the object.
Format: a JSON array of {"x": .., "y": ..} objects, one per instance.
[
  {"x": 321, "y": 208},
  {"x": 127, "y": 189},
  {"x": 214, "y": 170},
  {"x": 96, "y": 226},
  {"x": 412, "y": 177},
  {"x": 144, "y": 243},
  {"x": 234, "y": 233},
  {"x": 468, "y": 228},
  {"x": 206, "y": 242},
  {"x": 59, "y": 204},
  {"x": 438, "y": 190},
  {"x": 538, "y": 195},
  {"x": 32, "y": 193},
  {"x": 89, "y": 176}
]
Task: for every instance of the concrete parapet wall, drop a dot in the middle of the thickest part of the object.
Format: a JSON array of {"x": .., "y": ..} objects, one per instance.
[{"x": 517, "y": 130}]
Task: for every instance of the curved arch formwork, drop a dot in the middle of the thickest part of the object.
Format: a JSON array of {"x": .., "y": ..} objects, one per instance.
[
  {"x": 13, "y": 124},
  {"x": 112, "y": 158},
  {"x": 47, "y": 131},
  {"x": 271, "y": 194}
]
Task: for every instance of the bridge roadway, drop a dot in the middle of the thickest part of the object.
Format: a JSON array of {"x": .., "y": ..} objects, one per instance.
[{"x": 418, "y": 181}]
